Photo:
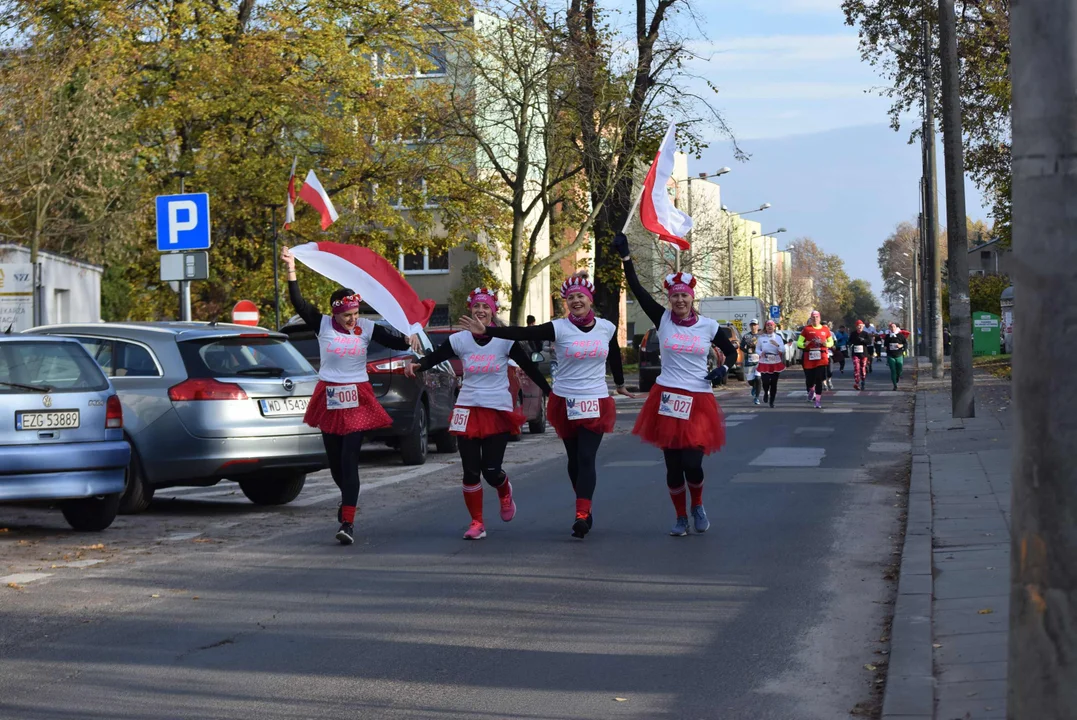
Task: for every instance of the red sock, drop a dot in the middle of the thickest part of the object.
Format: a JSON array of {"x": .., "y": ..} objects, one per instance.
[
  {"x": 504, "y": 488},
  {"x": 347, "y": 513},
  {"x": 583, "y": 508},
  {"x": 677, "y": 496},
  {"x": 473, "y": 500},
  {"x": 697, "y": 493}
]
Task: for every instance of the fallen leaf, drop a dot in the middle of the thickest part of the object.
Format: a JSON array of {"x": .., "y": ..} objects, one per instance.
[
  {"x": 203, "y": 540},
  {"x": 621, "y": 699},
  {"x": 96, "y": 546},
  {"x": 195, "y": 597},
  {"x": 936, "y": 645},
  {"x": 14, "y": 586},
  {"x": 869, "y": 666},
  {"x": 985, "y": 611},
  {"x": 155, "y": 595}
]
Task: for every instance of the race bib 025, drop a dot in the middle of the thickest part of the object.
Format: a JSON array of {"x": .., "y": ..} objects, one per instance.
[
  {"x": 341, "y": 397},
  {"x": 579, "y": 409},
  {"x": 675, "y": 406}
]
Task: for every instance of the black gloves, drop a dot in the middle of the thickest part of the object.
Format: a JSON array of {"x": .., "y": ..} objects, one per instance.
[
  {"x": 620, "y": 244},
  {"x": 717, "y": 375}
]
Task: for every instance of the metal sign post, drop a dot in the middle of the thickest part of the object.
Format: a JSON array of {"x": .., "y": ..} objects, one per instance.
[{"x": 183, "y": 224}]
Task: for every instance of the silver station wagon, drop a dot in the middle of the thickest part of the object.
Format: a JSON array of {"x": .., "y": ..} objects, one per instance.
[
  {"x": 205, "y": 402},
  {"x": 61, "y": 430}
]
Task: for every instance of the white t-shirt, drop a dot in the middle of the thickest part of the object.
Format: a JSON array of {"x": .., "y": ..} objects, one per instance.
[
  {"x": 684, "y": 352},
  {"x": 771, "y": 349},
  {"x": 486, "y": 378},
  {"x": 343, "y": 356},
  {"x": 581, "y": 359}
]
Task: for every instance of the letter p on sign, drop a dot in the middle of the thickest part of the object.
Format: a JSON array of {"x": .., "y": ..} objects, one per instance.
[
  {"x": 175, "y": 225},
  {"x": 183, "y": 222}
]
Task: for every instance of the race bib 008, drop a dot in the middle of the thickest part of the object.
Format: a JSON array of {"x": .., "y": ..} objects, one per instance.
[
  {"x": 458, "y": 423},
  {"x": 578, "y": 409},
  {"x": 341, "y": 397},
  {"x": 675, "y": 406}
]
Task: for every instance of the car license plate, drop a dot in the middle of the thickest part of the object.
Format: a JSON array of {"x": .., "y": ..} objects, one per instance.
[
  {"x": 47, "y": 420},
  {"x": 284, "y": 406}
]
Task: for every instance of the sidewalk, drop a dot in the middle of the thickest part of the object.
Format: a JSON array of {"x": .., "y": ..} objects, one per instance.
[{"x": 949, "y": 637}]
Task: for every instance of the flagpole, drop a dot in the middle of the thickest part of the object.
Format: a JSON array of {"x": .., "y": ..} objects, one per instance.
[
  {"x": 276, "y": 270},
  {"x": 632, "y": 212}
]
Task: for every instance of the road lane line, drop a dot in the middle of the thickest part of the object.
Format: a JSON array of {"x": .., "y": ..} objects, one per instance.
[
  {"x": 23, "y": 578},
  {"x": 790, "y": 457},
  {"x": 380, "y": 483}
]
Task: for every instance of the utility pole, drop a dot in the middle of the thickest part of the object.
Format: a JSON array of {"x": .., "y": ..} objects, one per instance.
[
  {"x": 729, "y": 253},
  {"x": 931, "y": 204},
  {"x": 961, "y": 388},
  {"x": 1042, "y": 670}
]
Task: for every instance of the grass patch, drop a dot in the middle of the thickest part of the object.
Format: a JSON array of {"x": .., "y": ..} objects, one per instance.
[{"x": 997, "y": 365}]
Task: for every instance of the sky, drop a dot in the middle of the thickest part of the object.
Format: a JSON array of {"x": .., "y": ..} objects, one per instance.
[{"x": 802, "y": 103}]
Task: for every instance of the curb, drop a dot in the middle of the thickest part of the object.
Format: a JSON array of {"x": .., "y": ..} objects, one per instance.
[{"x": 910, "y": 681}]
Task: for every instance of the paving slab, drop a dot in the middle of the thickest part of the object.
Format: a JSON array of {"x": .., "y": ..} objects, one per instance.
[
  {"x": 977, "y": 583},
  {"x": 973, "y": 671},
  {"x": 976, "y": 648}
]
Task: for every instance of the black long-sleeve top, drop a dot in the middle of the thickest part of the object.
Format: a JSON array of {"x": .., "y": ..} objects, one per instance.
[
  {"x": 862, "y": 338},
  {"x": 655, "y": 312},
  {"x": 312, "y": 316},
  {"x": 545, "y": 331},
  {"x": 895, "y": 339},
  {"x": 445, "y": 351}
]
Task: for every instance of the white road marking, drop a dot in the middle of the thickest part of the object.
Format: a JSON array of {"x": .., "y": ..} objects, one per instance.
[
  {"x": 790, "y": 457},
  {"x": 23, "y": 578},
  {"x": 836, "y": 411},
  {"x": 383, "y": 482},
  {"x": 736, "y": 417},
  {"x": 78, "y": 563},
  {"x": 813, "y": 431},
  {"x": 732, "y": 424},
  {"x": 179, "y": 537}
]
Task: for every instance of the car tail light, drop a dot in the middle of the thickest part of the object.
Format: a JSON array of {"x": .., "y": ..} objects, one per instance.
[
  {"x": 394, "y": 365},
  {"x": 113, "y": 412},
  {"x": 205, "y": 389}
]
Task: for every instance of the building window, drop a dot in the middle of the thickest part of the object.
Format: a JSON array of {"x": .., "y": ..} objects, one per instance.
[
  {"x": 985, "y": 254},
  {"x": 419, "y": 187},
  {"x": 439, "y": 317},
  {"x": 435, "y": 63},
  {"x": 424, "y": 262}
]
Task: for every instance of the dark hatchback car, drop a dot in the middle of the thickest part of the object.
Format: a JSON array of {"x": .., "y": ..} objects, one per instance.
[{"x": 420, "y": 407}]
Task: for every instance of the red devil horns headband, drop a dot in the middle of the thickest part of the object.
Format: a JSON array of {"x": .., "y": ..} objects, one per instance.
[
  {"x": 578, "y": 283},
  {"x": 483, "y": 295},
  {"x": 680, "y": 282}
]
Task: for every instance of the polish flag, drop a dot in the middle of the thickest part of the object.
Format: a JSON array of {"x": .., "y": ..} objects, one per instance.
[
  {"x": 656, "y": 210},
  {"x": 313, "y": 192},
  {"x": 377, "y": 281},
  {"x": 289, "y": 208}
]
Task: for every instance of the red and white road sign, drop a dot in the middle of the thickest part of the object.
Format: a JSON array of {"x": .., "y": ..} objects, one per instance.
[{"x": 245, "y": 313}]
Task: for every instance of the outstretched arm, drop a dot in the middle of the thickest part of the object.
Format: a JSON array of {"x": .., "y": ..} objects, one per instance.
[
  {"x": 535, "y": 332},
  {"x": 521, "y": 358},
  {"x": 390, "y": 338},
  {"x": 614, "y": 360},
  {"x": 723, "y": 343},
  {"x": 647, "y": 303},
  {"x": 441, "y": 353}
]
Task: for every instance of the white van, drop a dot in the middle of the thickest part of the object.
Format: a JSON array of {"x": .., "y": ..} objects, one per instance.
[{"x": 736, "y": 311}]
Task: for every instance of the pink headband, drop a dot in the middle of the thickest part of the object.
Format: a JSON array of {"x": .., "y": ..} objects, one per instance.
[
  {"x": 482, "y": 295},
  {"x": 682, "y": 288},
  {"x": 580, "y": 285},
  {"x": 346, "y": 304},
  {"x": 680, "y": 282}
]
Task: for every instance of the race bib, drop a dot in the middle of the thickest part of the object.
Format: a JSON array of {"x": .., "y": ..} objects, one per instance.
[
  {"x": 577, "y": 409},
  {"x": 458, "y": 423},
  {"x": 844, "y": 348},
  {"x": 341, "y": 397},
  {"x": 858, "y": 349},
  {"x": 815, "y": 354},
  {"x": 772, "y": 358},
  {"x": 753, "y": 359},
  {"x": 675, "y": 406}
]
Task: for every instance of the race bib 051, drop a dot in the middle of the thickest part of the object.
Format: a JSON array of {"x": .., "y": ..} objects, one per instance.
[{"x": 458, "y": 423}]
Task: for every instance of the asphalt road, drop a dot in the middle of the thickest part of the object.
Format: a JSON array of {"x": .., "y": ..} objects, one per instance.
[{"x": 208, "y": 607}]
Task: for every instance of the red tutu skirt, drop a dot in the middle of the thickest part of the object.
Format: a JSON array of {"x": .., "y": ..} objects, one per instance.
[
  {"x": 705, "y": 428},
  {"x": 484, "y": 422},
  {"x": 557, "y": 414},
  {"x": 369, "y": 415}
]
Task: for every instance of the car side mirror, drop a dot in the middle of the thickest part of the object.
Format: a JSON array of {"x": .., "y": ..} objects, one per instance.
[{"x": 537, "y": 357}]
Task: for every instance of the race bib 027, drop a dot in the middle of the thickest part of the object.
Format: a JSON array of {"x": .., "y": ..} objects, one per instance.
[
  {"x": 675, "y": 406},
  {"x": 341, "y": 397},
  {"x": 458, "y": 422},
  {"x": 579, "y": 409}
]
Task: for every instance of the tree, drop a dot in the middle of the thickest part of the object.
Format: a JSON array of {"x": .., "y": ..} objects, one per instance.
[
  {"x": 830, "y": 293},
  {"x": 891, "y": 40},
  {"x": 896, "y": 256},
  {"x": 862, "y": 304}
]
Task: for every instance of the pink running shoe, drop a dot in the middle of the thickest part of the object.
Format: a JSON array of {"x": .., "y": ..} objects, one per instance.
[
  {"x": 508, "y": 505},
  {"x": 476, "y": 531},
  {"x": 811, "y": 395},
  {"x": 818, "y": 402}
]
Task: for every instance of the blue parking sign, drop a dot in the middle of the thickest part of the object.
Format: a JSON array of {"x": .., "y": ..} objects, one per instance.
[
  {"x": 775, "y": 312},
  {"x": 183, "y": 222}
]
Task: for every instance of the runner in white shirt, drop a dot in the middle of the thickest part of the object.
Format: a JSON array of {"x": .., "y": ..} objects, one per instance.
[
  {"x": 580, "y": 407},
  {"x": 485, "y": 414},
  {"x": 681, "y": 415},
  {"x": 771, "y": 349},
  {"x": 343, "y": 405}
]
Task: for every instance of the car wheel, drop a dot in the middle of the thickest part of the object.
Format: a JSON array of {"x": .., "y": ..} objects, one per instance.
[
  {"x": 277, "y": 489},
  {"x": 413, "y": 446},
  {"x": 91, "y": 514},
  {"x": 445, "y": 442},
  {"x": 538, "y": 425},
  {"x": 137, "y": 496}
]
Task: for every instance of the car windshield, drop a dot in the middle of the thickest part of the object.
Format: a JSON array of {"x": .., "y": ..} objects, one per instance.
[
  {"x": 232, "y": 356},
  {"x": 48, "y": 367}
]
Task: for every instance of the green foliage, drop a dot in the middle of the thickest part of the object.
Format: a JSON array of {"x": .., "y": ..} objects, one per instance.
[
  {"x": 985, "y": 292},
  {"x": 862, "y": 305}
]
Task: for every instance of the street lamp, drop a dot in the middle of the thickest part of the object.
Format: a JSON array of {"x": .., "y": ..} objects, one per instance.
[
  {"x": 908, "y": 312},
  {"x": 768, "y": 277},
  {"x": 729, "y": 238}
]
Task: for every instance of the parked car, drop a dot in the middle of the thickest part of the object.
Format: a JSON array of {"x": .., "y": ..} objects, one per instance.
[
  {"x": 650, "y": 357},
  {"x": 790, "y": 339},
  {"x": 61, "y": 430},
  {"x": 205, "y": 402},
  {"x": 420, "y": 407}
]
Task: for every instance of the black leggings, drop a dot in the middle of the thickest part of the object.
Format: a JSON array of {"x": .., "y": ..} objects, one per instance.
[
  {"x": 683, "y": 464},
  {"x": 582, "y": 453},
  {"x": 343, "y": 452},
  {"x": 482, "y": 458},
  {"x": 814, "y": 377},
  {"x": 770, "y": 384}
]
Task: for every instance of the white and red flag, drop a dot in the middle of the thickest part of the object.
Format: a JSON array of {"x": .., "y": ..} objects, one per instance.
[
  {"x": 289, "y": 208},
  {"x": 657, "y": 212},
  {"x": 313, "y": 192},
  {"x": 377, "y": 281}
]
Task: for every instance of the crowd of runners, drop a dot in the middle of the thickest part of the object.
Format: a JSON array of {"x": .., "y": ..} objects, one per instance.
[{"x": 680, "y": 414}]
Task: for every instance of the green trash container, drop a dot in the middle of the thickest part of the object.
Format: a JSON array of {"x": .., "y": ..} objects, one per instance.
[{"x": 985, "y": 334}]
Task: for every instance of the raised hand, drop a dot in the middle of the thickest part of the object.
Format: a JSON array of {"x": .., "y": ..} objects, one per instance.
[
  {"x": 287, "y": 258},
  {"x": 620, "y": 244},
  {"x": 410, "y": 368},
  {"x": 472, "y": 325}
]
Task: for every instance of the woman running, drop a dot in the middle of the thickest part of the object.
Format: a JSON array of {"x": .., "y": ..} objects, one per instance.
[
  {"x": 751, "y": 360},
  {"x": 681, "y": 415},
  {"x": 896, "y": 344},
  {"x": 860, "y": 342},
  {"x": 343, "y": 405},
  {"x": 484, "y": 416},
  {"x": 771, "y": 348},
  {"x": 580, "y": 407},
  {"x": 815, "y": 340}
]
